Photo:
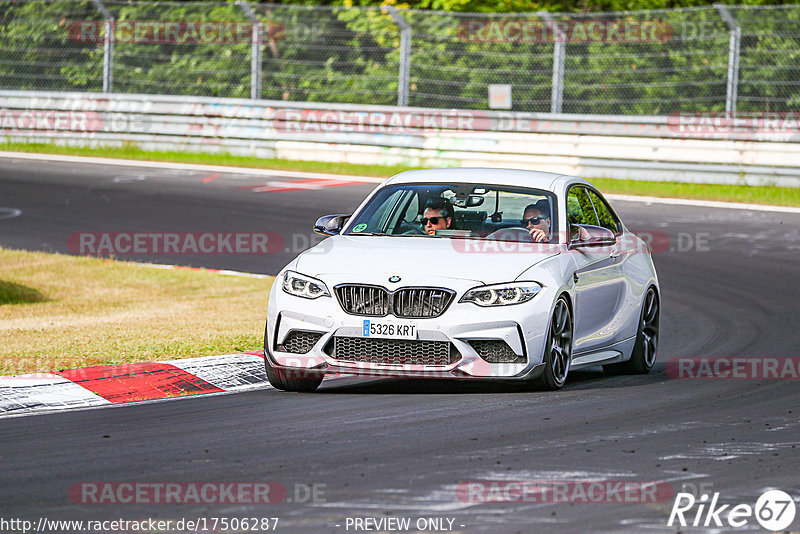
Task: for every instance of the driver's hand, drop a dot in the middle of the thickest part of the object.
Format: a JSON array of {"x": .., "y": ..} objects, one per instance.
[{"x": 537, "y": 234}]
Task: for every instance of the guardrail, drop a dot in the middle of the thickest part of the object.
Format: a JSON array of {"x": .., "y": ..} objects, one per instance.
[{"x": 706, "y": 148}]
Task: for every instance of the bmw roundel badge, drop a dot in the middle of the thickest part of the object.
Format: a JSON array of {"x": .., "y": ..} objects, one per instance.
[{"x": 394, "y": 278}]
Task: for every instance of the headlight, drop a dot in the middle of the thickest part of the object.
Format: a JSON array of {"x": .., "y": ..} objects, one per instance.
[
  {"x": 502, "y": 294},
  {"x": 304, "y": 286}
]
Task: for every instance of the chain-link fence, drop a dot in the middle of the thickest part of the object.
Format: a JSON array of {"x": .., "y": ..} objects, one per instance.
[{"x": 744, "y": 59}]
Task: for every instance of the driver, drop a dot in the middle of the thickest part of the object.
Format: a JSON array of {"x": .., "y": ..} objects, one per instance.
[
  {"x": 536, "y": 219},
  {"x": 438, "y": 215}
]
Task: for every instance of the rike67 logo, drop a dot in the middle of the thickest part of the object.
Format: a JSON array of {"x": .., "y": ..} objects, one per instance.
[{"x": 774, "y": 510}]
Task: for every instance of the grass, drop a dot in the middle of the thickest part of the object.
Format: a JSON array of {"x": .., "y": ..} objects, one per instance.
[
  {"x": 772, "y": 195},
  {"x": 765, "y": 194},
  {"x": 64, "y": 312}
]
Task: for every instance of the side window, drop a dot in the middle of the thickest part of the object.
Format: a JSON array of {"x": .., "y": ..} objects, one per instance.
[
  {"x": 412, "y": 210},
  {"x": 579, "y": 207},
  {"x": 408, "y": 217},
  {"x": 379, "y": 220},
  {"x": 607, "y": 219}
]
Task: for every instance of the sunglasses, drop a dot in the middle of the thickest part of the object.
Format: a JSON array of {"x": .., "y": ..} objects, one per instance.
[
  {"x": 433, "y": 220},
  {"x": 532, "y": 220}
]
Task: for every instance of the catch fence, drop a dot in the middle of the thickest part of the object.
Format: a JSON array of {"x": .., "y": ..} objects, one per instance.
[{"x": 717, "y": 59}]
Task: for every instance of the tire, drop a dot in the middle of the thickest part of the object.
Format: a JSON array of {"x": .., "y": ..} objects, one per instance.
[
  {"x": 292, "y": 379},
  {"x": 645, "y": 348},
  {"x": 557, "y": 348}
]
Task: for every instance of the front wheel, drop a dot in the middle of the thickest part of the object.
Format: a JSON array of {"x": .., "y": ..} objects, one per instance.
[
  {"x": 558, "y": 347},
  {"x": 292, "y": 379}
]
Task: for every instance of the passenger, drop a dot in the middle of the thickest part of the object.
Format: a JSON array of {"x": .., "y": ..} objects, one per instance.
[
  {"x": 438, "y": 215},
  {"x": 536, "y": 219}
]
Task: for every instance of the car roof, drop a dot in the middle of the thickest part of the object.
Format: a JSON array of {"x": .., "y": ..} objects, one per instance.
[{"x": 490, "y": 176}]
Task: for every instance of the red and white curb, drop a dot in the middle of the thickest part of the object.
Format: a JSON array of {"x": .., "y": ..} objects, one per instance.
[{"x": 118, "y": 384}]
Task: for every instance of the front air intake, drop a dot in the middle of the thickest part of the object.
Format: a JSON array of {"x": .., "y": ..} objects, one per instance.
[
  {"x": 495, "y": 351},
  {"x": 299, "y": 342},
  {"x": 394, "y": 351}
]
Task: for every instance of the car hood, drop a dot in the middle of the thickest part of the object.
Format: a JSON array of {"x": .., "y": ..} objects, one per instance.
[{"x": 482, "y": 261}]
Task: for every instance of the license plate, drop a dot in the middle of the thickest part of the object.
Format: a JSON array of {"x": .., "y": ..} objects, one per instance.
[{"x": 389, "y": 329}]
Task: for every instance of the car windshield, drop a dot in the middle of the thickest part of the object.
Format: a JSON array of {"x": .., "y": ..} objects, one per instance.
[{"x": 459, "y": 210}]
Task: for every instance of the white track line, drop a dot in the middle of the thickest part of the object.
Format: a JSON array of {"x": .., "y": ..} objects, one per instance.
[
  {"x": 367, "y": 179},
  {"x": 186, "y": 166}
]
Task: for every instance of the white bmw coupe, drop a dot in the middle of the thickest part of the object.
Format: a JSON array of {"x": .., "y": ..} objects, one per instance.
[{"x": 485, "y": 274}]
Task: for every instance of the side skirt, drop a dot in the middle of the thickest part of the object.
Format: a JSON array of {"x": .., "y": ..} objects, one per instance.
[{"x": 618, "y": 352}]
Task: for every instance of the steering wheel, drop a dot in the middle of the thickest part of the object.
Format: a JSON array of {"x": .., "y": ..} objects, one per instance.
[{"x": 514, "y": 233}]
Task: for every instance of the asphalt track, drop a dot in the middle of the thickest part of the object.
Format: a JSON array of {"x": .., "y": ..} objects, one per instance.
[{"x": 400, "y": 448}]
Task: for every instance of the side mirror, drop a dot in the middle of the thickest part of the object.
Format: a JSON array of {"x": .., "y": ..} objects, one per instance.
[
  {"x": 330, "y": 224},
  {"x": 588, "y": 235}
]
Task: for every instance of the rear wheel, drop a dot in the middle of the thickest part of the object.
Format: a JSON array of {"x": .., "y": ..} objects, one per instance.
[
  {"x": 558, "y": 347},
  {"x": 643, "y": 356}
]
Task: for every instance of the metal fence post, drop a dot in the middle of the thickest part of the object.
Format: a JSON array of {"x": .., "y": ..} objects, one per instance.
[
  {"x": 255, "y": 50},
  {"x": 108, "y": 45},
  {"x": 559, "y": 53},
  {"x": 734, "y": 50},
  {"x": 405, "y": 56}
]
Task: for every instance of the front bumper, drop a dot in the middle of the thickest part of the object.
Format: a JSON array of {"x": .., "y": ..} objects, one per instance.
[{"x": 521, "y": 327}]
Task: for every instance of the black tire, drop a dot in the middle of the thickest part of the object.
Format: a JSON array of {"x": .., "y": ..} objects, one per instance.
[
  {"x": 557, "y": 348},
  {"x": 292, "y": 379},
  {"x": 645, "y": 348}
]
